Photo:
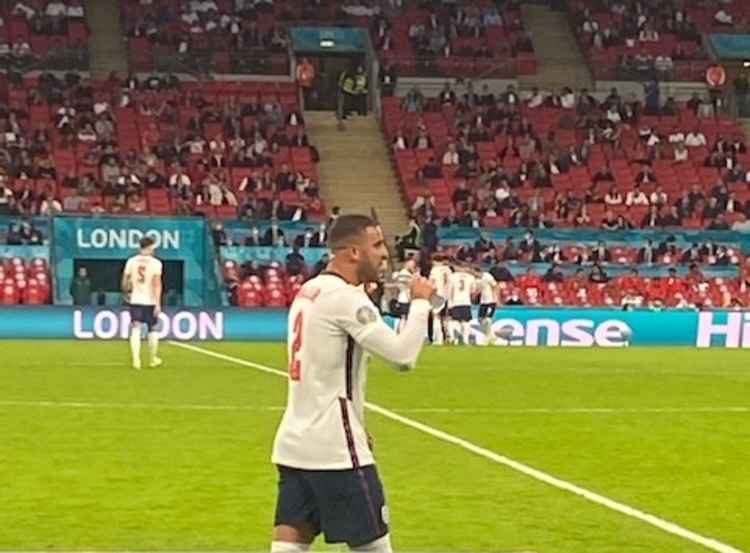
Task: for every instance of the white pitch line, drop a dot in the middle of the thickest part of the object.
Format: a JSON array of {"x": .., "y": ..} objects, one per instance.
[
  {"x": 657, "y": 522},
  {"x": 574, "y": 410},
  {"x": 438, "y": 410},
  {"x": 157, "y": 406}
]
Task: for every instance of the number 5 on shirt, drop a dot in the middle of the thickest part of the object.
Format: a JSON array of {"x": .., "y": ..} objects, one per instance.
[{"x": 295, "y": 364}]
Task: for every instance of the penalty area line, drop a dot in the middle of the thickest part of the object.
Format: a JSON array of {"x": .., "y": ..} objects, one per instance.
[{"x": 648, "y": 518}]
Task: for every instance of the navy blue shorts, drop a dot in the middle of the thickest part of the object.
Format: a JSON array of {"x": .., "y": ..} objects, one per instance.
[
  {"x": 487, "y": 310},
  {"x": 347, "y": 506},
  {"x": 143, "y": 314},
  {"x": 461, "y": 313}
]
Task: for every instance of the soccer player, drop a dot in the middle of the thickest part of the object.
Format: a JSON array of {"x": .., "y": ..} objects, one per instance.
[
  {"x": 462, "y": 284},
  {"x": 403, "y": 279},
  {"x": 487, "y": 301},
  {"x": 439, "y": 277},
  {"x": 141, "y": 281},
  {"x": 328, "y": 482}
]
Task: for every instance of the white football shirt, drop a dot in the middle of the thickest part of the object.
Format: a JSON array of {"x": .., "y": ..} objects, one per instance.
[
  {"x": 141, "y": 270},
  {"x": 332, "y": 324},
  {"x": 487, "y": 286},
  {"x": 403, "y": 279},
  {"x": 440, "y": 279},
  {"x": 461, "y": 288}
]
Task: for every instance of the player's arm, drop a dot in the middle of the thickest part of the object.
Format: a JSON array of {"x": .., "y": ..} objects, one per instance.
[
  {"x": 364, "y": 324},
  {"x": 125, "y": 284},
  {"x": 156, "y": 283}
]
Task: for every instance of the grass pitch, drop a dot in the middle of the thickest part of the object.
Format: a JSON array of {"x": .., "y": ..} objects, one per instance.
[{"x": 96, "y": 456}]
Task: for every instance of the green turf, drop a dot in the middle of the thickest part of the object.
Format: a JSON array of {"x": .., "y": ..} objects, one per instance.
[{"x": 162, "y": 477}]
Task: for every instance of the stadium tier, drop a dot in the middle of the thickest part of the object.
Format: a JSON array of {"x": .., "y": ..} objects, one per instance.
[
  {"x": 43, "y": 35},
  {"x": 653, "y": 41},
  {"x": 223, "y": 149},
  {"x": 472, "y": 40},
  {"x": 567, "y": 160}
]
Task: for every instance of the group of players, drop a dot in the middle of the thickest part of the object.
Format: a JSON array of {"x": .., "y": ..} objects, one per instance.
[{"x": 461, "y": 285}]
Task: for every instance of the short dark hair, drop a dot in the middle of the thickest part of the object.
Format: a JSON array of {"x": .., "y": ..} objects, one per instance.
[
  {"x": 348, "y": 228},
  {"x": 146, "y": 242}
]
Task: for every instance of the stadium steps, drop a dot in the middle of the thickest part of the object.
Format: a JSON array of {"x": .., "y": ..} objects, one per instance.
[
  {"x": 355, "y": 168},
  {"x": 559, "y": 59},
  {"x": 107, "y": 45}
]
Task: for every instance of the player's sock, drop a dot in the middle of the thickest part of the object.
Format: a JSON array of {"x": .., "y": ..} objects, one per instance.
[
  {"x": 487, "y": 329},
  {"x": 437, "y": 331},
  {"x": 450, "y": 328},
  {"x": 465, "y": 328},
  {"x": 380, "y": 545},
  {"x": 135, "y": 345},
  {"x": 153, "y": 348},
  {"x": 288, "y": 547}
]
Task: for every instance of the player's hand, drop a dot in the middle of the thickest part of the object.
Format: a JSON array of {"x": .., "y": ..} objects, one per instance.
[
  {"x": 157, "y": 311},
  {"x": 421, "y": 289}
]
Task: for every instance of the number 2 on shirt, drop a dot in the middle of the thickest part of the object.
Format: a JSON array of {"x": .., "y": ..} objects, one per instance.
[
  {"x": 295, "y": 364},
  {"x": 141, "y": 274}
]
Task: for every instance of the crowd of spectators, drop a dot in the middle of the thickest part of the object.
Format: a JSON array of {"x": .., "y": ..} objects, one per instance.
[
  {"x": 491, "y": 158},
  {"x": 530, "y": 249},
  {"x": 647, "y": 40},
  {"x": 74, "y": 145},
  {"x": 240, "y": 36},
  {"x": 50, "y": 34},
  {"x": 23, "y": 233}
]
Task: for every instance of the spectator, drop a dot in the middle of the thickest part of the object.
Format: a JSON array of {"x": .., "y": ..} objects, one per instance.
[
  {"x": 600, "y": 253},
  {"x": 295, "y": 262},
  {"x": 274, "y": 235},
  {"x": 80, "y": 287},
  {"x": 723, "y": 17},
  {"x": 597, "y": 275},
  {"x": 636, "y": 197},
  {"x": 554, "y": 274}
]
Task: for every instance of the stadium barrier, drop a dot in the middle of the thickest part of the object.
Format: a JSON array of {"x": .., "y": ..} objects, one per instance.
[{"x": 530, "y": 327}]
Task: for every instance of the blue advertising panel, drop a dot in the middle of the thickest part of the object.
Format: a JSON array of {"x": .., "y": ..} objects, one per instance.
[
  {"x": 528, "y": 327},
  {"x": 117, "y": 238}
]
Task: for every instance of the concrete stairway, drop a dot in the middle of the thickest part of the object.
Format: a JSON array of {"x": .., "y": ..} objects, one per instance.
[
  {"x": 355, "y": 169},
  {"x": 107, "y": 41},
  {"x": 559, "y": 59}
]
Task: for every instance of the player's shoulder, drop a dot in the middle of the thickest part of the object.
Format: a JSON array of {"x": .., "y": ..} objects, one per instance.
[{"x": 333, "y": 296}]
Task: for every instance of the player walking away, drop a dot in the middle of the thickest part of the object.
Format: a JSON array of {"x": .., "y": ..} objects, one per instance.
[
  {"x": 403, "y": 280},
  {"x": 328, "y": 482},
  {"x": 439, "y": 277},
  {"x": 487, "y": 301},
  {"x": 141, "y": 281},
  {"x": 462, "y": 284}
]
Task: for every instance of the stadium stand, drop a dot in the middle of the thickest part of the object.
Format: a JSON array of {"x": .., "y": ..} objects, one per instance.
[
  {"x": 221, "y": 149},
  {"x": 207, "y": 36},
  {"x": 472, "y": 40},
  {"x": 469, "y": 41},
  {"x": 23, "y": 281},
  {"x": 49, "y": 35},
  {"x": 567, "y": 160},
  {"x": 664, "y": 42}
]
